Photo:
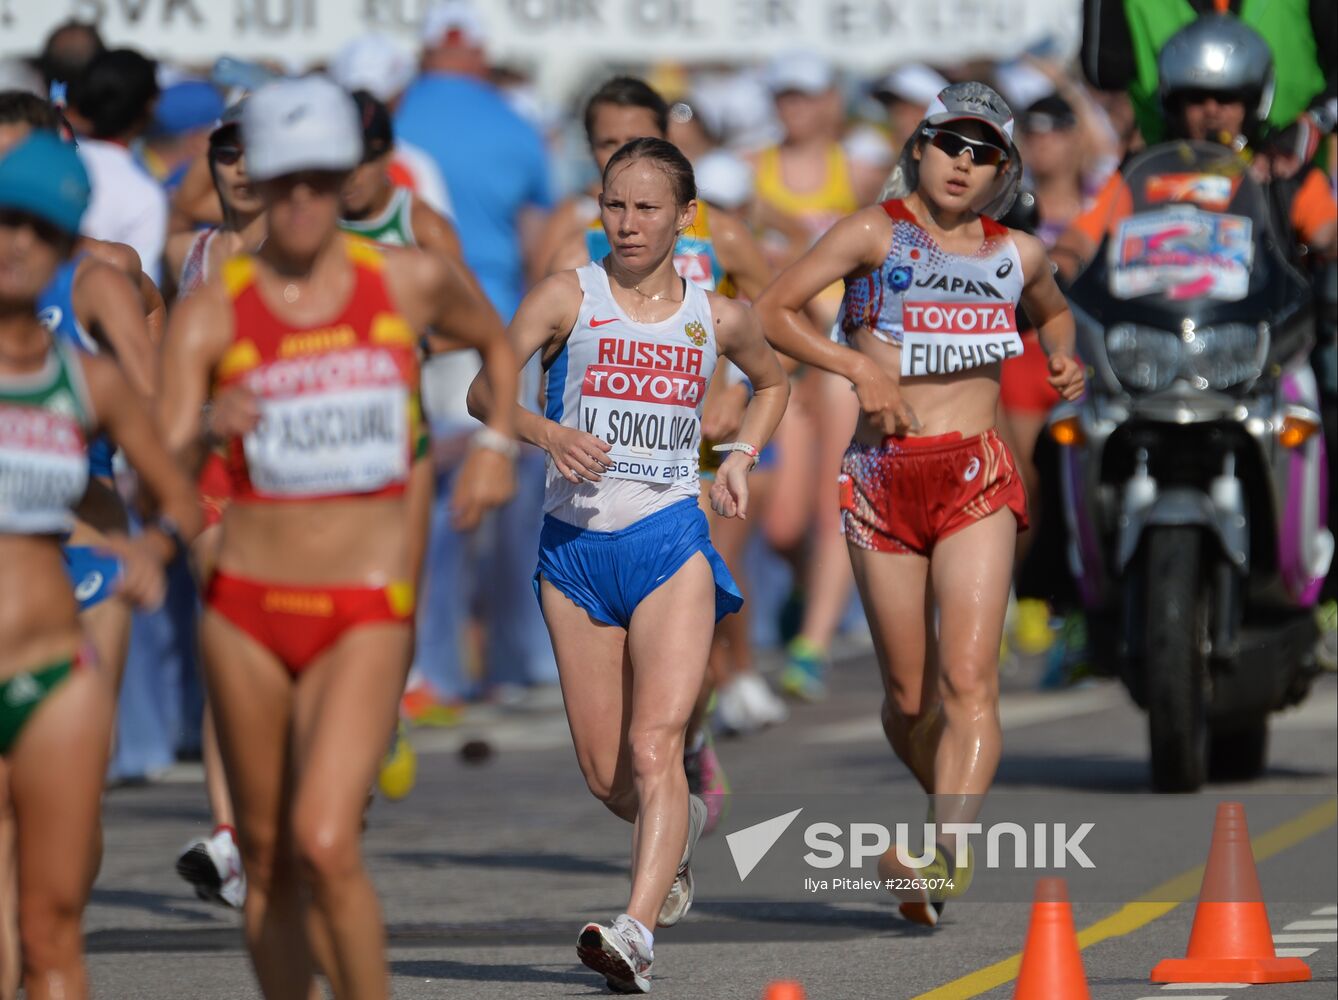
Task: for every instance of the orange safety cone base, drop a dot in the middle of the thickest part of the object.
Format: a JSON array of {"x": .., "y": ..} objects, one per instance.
[{"x": 1231, "y": 970}]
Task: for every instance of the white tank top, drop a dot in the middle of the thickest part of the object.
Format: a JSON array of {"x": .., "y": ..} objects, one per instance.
[
  {"x": 640, "y": 387},
  {"x": 949, "y": 312}
]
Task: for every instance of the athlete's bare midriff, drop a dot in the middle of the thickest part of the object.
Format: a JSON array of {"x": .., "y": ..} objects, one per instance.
[
  {"x": 38, "y": 614},
  {"x": 965, "y": 403},
  {"x": 345, "y": 541}
]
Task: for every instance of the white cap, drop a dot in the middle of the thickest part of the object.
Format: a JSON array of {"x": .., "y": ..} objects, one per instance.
[
  {"x": 724, "y": 179},
  {"x": 377, "y": 64},
  {"x": 803, "y": 70},
  {"x": 453, "y": 22},
  {"x": 302, "y": 123},
  {"x": 1022, "y": 84},
  {"x": 915, "y": 84},
  {"x": 15, "y": 74}
]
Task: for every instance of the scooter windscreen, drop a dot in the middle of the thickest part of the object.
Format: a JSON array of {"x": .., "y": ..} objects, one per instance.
[{"x": 1190, "y": 283}]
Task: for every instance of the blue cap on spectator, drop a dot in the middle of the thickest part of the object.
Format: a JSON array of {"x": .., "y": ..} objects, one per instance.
[
  {"x": 187, "y": 106},
  {"x": 43, "y": 176}
]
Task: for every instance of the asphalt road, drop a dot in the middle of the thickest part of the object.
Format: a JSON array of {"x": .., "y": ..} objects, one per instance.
[{"x": 487, "y": 872}]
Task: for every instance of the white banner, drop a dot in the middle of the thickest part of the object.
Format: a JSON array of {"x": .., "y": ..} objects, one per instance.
[{"x": 863, "y": 35}]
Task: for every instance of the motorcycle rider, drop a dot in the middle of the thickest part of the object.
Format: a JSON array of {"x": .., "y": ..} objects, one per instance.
[{"x": 1216, "y": 84}]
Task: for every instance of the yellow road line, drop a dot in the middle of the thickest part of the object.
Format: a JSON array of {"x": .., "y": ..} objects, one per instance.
[{"x": 1155, "y": 903}]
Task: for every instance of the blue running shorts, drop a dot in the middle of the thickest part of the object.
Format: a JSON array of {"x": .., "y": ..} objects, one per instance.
[
  {"x": 608, "y": 573},
  {"x": 93, "y": 574}
]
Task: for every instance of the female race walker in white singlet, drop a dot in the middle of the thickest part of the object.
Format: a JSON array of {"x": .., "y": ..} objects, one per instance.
[
  {"x": 931, "y": 501},
  {"x": 630, "y": 586}
]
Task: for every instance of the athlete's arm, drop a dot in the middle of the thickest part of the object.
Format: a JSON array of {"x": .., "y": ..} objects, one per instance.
[
  {"x": 561, "y": 232},
  {"x": 739, "y": 254},
  {"x": 543, "y": 321},
  {"x": 1048, "y": 309},
  {"x": 856, "y": 243},
  {"x": 739, "y": 337},
  {"x": 105, "y": 300},
  {"x": 197, "y": 337},
  {"x": 571, "y": 254},
  {"x": 433, "y": 231},
  {"x": 452, "y": 304},
  {"x": 155, "y": 309},
  {"x": 123, "y": 416}
]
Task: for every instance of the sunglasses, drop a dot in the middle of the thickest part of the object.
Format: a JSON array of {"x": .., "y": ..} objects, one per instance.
[
  {"x": 983, "y": 154},
  {"x": 48, "y": 232},
  {"x": 226, "y": 155}
]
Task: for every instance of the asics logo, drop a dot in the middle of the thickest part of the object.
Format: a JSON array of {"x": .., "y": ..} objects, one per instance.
[
  {"x": 972, "y": 470},
  {"x": 296, "y": 115},
  {"x": 88, "y": 586},
  {"x": 597, "y": 323}
]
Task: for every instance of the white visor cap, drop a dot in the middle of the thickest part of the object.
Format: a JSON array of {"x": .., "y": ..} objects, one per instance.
[{"x": 301, "y": 123}]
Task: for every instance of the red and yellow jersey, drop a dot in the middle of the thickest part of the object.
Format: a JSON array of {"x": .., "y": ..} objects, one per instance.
[{"x": 339, "y": 402}]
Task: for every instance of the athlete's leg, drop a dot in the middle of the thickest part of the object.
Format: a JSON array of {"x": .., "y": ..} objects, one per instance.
[
  {"x": 215, "y": 778},
  {"x": 1020, "y": 430},
  {"x": 786, "y": 524},
  {"x": 56, "y": 770},
  {"x": 828, "y": 581},
  {"x": 107, "y": 626},
  {"x": 669, "y": 640},
  {"x": 596, "y": 679},
  {"x": 344, "y": 709},
  {"x": 970, "y": 573},
  {"x": 894, "y": 588},
  {"x": 251, "y": 697},
  {"x": 9, "y": 890}
]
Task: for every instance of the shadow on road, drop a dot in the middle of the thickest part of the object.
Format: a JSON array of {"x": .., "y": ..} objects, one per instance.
[{"x": 561, "y": 864}]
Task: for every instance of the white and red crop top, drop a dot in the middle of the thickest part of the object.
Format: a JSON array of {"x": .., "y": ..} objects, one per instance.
[
  {"x": 640, "y": 387},
  {"x": 948, "y": 312}
]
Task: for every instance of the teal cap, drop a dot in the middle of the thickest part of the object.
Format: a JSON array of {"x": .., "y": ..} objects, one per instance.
[{"x": 43, "y": 176}]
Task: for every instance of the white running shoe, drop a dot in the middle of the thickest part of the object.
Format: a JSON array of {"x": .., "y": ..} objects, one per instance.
[
  {"x": 213, "y": 866},
  {"x": 679, "y": 900},
  {"x": 733, "y": 712},
  {"x": 619, "y": 953},
  {"x": 764, "y": 704}
]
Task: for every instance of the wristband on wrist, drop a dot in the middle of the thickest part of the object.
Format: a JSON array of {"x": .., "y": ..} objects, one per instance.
[
  {"x": 491, "y": 440},
  {"x": 743, "y": 446}
]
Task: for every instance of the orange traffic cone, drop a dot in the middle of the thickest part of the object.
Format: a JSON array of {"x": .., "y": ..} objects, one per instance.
[
  {"x": 1051, "y": 966},
  {"x": 1231, "y": 941},
  {"x": 784, "y": 989}
]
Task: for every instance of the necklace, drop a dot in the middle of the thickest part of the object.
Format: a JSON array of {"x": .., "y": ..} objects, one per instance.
[{"x": 291, "y": 293}]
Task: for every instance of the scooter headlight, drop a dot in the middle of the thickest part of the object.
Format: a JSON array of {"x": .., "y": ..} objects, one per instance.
[
  {"x": 1219, "y": 357},
  {"x": 1143, "y": 358}
]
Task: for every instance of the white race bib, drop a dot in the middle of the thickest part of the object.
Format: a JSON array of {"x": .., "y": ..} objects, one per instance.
[
  {"x": 337, "y": 441},
  {"x": 649, "y": 416},
  {"x": 942, "y": 338}
]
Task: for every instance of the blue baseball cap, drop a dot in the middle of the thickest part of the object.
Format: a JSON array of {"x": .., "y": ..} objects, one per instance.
[
  {"x": 188, "y": 106},
  {"x": 43, "y": 176}
]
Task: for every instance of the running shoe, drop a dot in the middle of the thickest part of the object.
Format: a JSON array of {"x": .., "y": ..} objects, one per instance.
[
  {"x": 707, "y": 778},
  {"x": 1326, "y": 649},
  {"x": 213, "y": 867},
  {"x": 919, "y": 903},
  {"x": 420, "y": 707},
  {"x": 399, "y": 767},
  {"x": 761, "y": 700},
  {"x": 805, "y": 671},
  {"x": 1032, "y": 634},
  {"x": 1068, "y": 660},
  {"x": 679, "y": 900},
  {"x": 747, "y": 704},
  {"x": 619, "y": 953}
]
